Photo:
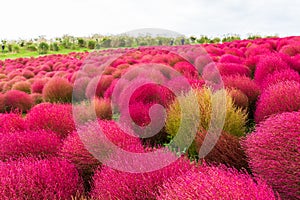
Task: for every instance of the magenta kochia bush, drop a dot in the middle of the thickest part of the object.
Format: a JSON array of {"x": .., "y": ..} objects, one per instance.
[
  {"x": 54, "y": 117},
  {"x": 28, "y": 143},
  {"x": 11, "y": 122},
  {"x": 210, "y": 182},
  {"x": 17, "y": 100},
  {"x": 280, "y": 76},
  {"x": 227, "y": 69},
  {"x": 113, "y": 184},
  {"x": 229, "y": 58},
  {"x": 39, "y": 179},
  {"x": 74, "y": 145},
  {"x": 268, "y": 65},
  {"x": 278, "y": 98},
  {"x": 274, "y": 153}
]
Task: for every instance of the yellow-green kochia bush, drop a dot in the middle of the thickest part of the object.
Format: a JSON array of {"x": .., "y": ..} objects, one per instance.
[{"x": 235, "y": 118}]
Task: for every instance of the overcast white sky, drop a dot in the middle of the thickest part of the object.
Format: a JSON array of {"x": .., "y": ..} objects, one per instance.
[{"x": 23, "y": 19}]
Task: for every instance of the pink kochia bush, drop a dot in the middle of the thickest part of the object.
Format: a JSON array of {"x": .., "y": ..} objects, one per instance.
[
  {"x": 11, "y": 122},
  {"x": 274, "y": 153},
  {"x": 53, "y": 117},
  {"x": 113, "y": 184},
  {"x": 268, "y": 65},
  {"x": 278, "y": 98},
  {"x": 39, "y": 179},
  {"x": 17, "y": 100},
  {"x": 210, "y": 182},
  {"x": 28, "y": 143},
  {"x": 280, "y": 76},
  {"x": 74, "y": 148}
]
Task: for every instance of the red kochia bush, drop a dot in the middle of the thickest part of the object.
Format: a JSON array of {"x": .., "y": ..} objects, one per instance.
[
  {"x": 17, "y": 100},
  {"x": 113, "y": 184},
  {"x": 58, "y": 90},
  {"x": 243, "y": 83},
  {"x": 274, "y": 153},
  {"x": 54, "y": 117},
  {"x": 278, "y": 98},
  {"x": 28, "y": 143},
  {"x": 227, "y": 69},
  {"x": 11, "y": 123},
  {"x": 38, "y": 85},
  {"x": 210, "y": 182},
  {"x": 2, "y": 102},
  {"x": 239, "y": 98},
  {"x": 268, "y": 65},
  {"x": 39, "y": 179}
]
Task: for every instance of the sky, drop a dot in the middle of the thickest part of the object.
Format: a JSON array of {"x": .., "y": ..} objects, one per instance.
[{"x": 25, "y": 19}]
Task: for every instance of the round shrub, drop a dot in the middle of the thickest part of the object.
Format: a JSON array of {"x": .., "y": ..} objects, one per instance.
[
  {"x": 74, "y": 150},
  {"x": 134, "y": 185},
  {"x": 29, "y": 144},
  {"x": 210, "y": 182},
  {"x": 226, "y": 149},
  {"x": 23, "y": 86},
  {"x": 235, "y": 118},
  {"x": 227, "y": 69},
  {"x": 27, "y": 74},
  {"x": 268, "y": 65},
  {"x": 103, "y": 108},
  {"x": 239, "y": 98},
  {"x": 79, "y": 89},
  {"x": 97, "y": 86},
  {"x": 37, "y": 98},
  {"x": 58, "y": 90},
  {"x": 53, "y": 117},
  {"x": 39, "y": 179},
  {"x": 11, "y": 122},
  {"x": 17, "y": 100},
  {"x": 229, "y": 58},
  {"x": 38, "y": 85},
  {"x": 244, "y": 84},
  {"x": 273, "y": 152},
  {"x": 2, "y": 103},
  {"x": 280, "y": 76},
  {"x": 278, "y": 98}
]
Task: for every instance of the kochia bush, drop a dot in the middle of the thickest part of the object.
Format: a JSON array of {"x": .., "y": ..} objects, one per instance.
[
  {"x": 278, "y": 98},
  {"x": 28, "y": 143},
  {"x": 53, "y": 117},
  {"x": 210, "y": 182},
  {"x": 39, "y": 179},
  {"x": 58, "y": 90},
  {"x": 273, "y": 152},
  {"x": 17, "y": 100}
]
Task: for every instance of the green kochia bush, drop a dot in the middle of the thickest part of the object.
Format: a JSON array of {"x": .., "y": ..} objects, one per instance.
[
  {"x": 234, "y": 124},
  {"x": 235, "y": 118}
]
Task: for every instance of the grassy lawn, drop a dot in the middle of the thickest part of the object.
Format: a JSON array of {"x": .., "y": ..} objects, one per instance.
[{"x": 25, "y": 53}]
